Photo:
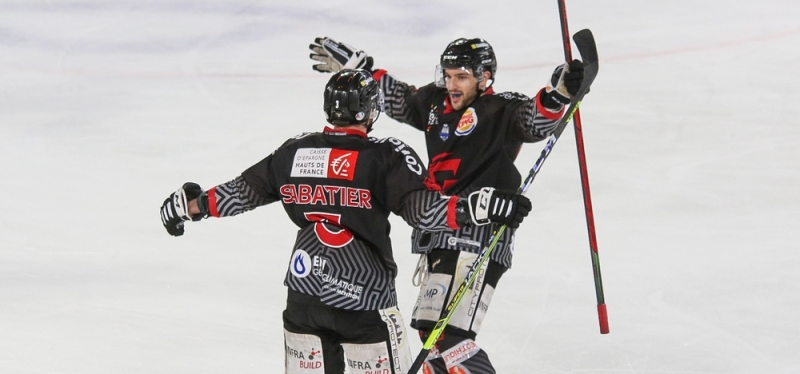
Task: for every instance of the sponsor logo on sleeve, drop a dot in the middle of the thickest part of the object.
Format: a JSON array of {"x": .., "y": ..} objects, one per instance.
[
  {"x": 413, "y": 163},
  {"x": 324, "y": 163}
]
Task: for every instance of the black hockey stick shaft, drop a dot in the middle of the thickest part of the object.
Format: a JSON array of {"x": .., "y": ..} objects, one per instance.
[
  {"x": 585, "y": 42},
  {"x": 602, "y": 312}
]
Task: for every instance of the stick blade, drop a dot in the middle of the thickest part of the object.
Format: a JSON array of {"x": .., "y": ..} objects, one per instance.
[{"x": 584, "y": 40}]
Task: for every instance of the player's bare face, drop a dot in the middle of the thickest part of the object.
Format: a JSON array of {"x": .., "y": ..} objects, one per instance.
[{"x": 462, "y": 87}]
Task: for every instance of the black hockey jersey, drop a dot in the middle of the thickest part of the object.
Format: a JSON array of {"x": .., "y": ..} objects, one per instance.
[
  {"x": 469, "y": 148},
  {"x": 339, "y": 188}
]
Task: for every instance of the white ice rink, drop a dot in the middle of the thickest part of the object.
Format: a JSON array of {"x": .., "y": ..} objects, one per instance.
[{"x": 692, "y": 140}]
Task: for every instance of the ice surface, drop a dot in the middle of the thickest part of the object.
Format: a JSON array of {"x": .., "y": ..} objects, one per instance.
[{"x": 691, "y": 133}]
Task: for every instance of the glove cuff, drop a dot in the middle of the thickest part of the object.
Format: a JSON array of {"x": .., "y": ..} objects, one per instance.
[
  {"x": 461, "y": 213},
  {"x": 479, "y": 205},
  {"x": 554, "y": 100},
  {"x": 202, "y": 204}
]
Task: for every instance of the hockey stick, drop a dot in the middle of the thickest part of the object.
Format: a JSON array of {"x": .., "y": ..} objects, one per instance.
[
  {"x": 585, "y": 42},
  {"x": 602, "y": 313}
]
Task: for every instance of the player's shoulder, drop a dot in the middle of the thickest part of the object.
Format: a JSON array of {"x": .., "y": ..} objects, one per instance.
[
  {"x": 396, "y": 149},
  {"x": 303, "y": 135},
  {"x": 389, "y": 143},
  {"x": 508, "y": 96},
  {"x": 296, "y": 141},
  {"x": 299, "y": 138}
]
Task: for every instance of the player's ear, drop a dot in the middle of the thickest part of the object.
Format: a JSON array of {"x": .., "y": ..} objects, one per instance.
[{"x": 485, "y": 80}]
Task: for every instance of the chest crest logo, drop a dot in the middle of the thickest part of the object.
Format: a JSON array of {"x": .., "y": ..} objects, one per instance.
[
  {"x": 467, "y": 122},
  {"x": 432, "y": 120}
]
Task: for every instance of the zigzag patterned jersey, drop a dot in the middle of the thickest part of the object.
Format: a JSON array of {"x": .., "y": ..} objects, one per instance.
[
  {"x": 470, "y": 148},
  {"x": 339, "y": 189}
]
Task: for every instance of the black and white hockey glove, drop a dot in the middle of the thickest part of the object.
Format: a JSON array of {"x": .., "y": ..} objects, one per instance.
[
  {"x": 175, "y": 210},
  {"x": 503, "y": 207},
  {"x": 335, "y": 56},
  {"x": 566, "y": 81}
]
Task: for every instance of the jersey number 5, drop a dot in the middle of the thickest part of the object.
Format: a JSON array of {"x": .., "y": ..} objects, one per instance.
[{"x": 323, "y": 223}]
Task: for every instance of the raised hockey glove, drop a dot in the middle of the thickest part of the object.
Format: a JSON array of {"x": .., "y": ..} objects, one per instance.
[
  {"x": 175, "y": 210},
  {"x": 503, "y": 207},
  {"x": 566, "y": 81},
  {"x": 335, "y": 56}
]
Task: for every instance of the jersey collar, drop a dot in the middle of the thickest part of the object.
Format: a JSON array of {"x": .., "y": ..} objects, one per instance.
[{"x": 343, "y": 131}]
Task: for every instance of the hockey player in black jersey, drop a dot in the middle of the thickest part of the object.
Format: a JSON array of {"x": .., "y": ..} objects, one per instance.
[
  {"x": 473, "y": 136},
  {"x": 339, "y": 187}
]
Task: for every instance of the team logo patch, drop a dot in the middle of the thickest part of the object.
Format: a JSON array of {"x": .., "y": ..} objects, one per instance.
[
  {"x": 444, "y": 133},
  {"x": 324, "y": 163},
  {"x": 432, "y": 119},
  {"x": 467, "y": 122},
  {"x": 300, "y": 265}
]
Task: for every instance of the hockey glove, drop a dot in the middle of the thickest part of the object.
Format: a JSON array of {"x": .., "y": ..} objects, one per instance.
[
  {"x": 503, "y": 207},
  {"x": 335, "y": 56},
  {"x": 566, "y": 81},
  {"x": 175, "y": 210}
]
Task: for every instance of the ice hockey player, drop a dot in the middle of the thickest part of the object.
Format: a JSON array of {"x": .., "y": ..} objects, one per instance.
[
  {"x": 339, "y": 187},
  {"x": 473, "y": 136}
]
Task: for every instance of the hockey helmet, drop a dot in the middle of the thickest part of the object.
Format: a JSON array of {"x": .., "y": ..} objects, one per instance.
[
  {"x": 476, "y": 54},
  {"x": 352, "y": 97}
]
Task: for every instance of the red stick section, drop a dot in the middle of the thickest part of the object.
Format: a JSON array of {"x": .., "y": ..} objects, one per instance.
[{"x": 602, "y": 313}]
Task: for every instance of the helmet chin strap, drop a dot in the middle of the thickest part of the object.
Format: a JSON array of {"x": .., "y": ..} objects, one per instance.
[
  {"x": 488, "y": 85},
  {"x": 372, "y": 120},
  {"x": 478, "y": 73}
]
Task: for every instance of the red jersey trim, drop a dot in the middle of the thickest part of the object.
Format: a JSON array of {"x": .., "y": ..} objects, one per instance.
[
  {"x": 451, "y": 213},
  {"x": 447, "y": 106},
  {"x": 212, "y": 202},
  {"x": 378, "y": 74},
  {"x": 343, "y": 131},
  {"x": 547, "y": 113}
]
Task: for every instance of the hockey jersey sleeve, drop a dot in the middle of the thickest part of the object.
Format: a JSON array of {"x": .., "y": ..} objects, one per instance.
[
  {"x": 234, "y": 197},
  {"x": 431, "y": 211},
  {"x": 533, "y": 122},
  {"x": 254, "y": 188},
  {"x": 403, "y": 102}
]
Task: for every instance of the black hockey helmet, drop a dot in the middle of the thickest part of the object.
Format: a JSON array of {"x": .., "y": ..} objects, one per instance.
[
  {"x": 476, "y": 54},
  {"x": 352, "y": 97}
]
